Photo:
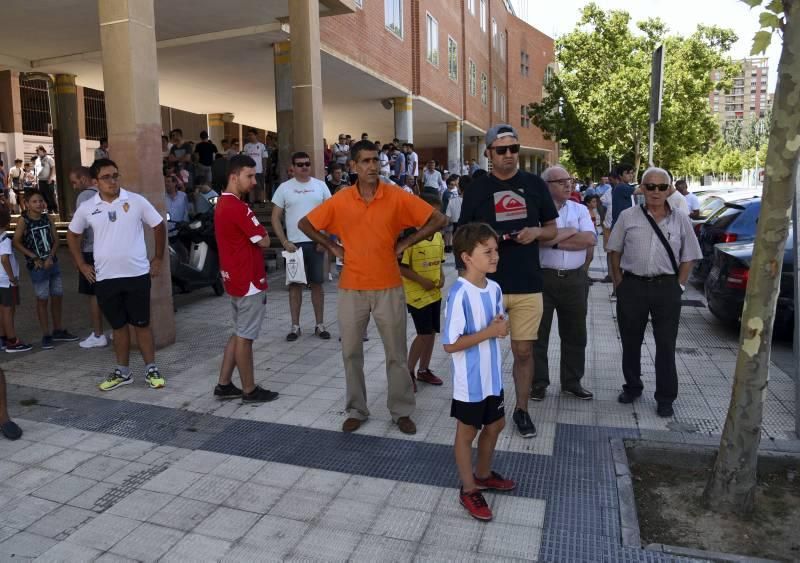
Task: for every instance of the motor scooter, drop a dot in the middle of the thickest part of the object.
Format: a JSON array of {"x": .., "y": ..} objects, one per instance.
[{"x": 193, "y": 255}]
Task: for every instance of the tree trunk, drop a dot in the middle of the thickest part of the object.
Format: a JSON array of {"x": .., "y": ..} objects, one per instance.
[{"x": 731, "y": 487}]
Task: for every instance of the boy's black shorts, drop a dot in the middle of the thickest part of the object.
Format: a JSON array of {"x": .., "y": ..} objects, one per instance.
[
  {"x": 125, "y": 301},
  {"x": 85, "y": 287},
  {"x": 484, "y": 412},
  {"x": 427, "y": 320}
]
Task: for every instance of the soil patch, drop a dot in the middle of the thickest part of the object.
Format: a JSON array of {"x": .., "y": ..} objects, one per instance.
[{"x": 670, "y": 511}]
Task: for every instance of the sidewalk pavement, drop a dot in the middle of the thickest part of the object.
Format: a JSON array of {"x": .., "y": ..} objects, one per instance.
[{"x": 173, "y": 474}]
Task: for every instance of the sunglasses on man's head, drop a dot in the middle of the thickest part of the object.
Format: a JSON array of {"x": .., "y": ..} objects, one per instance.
[
  {"x": 502, "y": 150},
  {"x": 653, "y": 187},
  {"x": 303, "y": 164}
]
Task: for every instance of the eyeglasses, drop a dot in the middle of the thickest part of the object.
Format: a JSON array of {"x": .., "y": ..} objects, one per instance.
[
  {"x": 562, "y": 181},
  {"x": 502, "y": 150},
  {"x": 302, "y": 164},
  {"x": 652, "y": 187},
  {"x": 109, "y": 177}
]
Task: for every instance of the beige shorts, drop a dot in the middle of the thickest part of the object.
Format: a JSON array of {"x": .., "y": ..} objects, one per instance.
[{"x": 524, "y": 314}]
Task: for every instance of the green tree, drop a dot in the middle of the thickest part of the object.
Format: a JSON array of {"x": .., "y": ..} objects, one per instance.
[
  {"x": 604, "y": 82},
  {"x": 732, "y": 484}
]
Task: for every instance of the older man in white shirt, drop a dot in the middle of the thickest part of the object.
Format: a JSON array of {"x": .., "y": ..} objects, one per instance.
[{"x": 563, "y": 261}]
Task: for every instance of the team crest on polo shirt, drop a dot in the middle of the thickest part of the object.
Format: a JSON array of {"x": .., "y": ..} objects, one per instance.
[
  {"x": 112, "y": 216},
  {"x": 125, "y": 207}
]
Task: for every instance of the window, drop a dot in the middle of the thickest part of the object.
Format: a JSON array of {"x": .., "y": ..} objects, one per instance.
[
  {"x": 523, "y": 63},
  {"x": 432, "y": 49},
  {"x": 484, "y": 89},
  {"x": 452, "y": 58},
  {"x": 483, "y": 15},
  {"x": 503, "y": 45},
  {"x": 494, "y": 33},
  {"x": 524, "y": 120},
  {"x": 495, "y": 101},
  {"x": 94, "y": 109},
  {"x": 548, "y": 75},
  {"x": 35, "y": 103},
  {"x": 393, "y": 15},
  {"x": 503, "y": 107},
  {"x": 473, "y": 78},
  {"x": 471, "y": 6}
]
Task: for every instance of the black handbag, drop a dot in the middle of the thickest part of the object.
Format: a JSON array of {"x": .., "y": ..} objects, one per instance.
[{"x": 662, "y": 239}]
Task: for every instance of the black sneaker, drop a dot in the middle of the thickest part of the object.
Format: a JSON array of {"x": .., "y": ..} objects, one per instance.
[
  {"x": 665, "y": 410},
  {"x": 14, "y": 346},
  {"x": 259, "y": 395},
  {"x": 229, "y": 391},
  {"x": 63, "y": 336},
  {"x": 524, "y": 424},
  {"x": 626, "y": 398},
  {"x": 538, "y": 393},
  {"x": 294, "y": 334},
  {"x": 579, "y": 392}
]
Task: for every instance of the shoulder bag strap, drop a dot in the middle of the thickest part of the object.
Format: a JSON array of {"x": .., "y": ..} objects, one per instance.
[{"x": 662, "y": 239}]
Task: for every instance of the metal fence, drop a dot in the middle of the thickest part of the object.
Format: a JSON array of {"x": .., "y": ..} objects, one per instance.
[
  {"x": 35, "y": 107},
  {"x": 94, "y": 105}
]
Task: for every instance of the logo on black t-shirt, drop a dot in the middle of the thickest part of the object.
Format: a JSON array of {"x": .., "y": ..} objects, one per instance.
[{"x": 509, "y": 206}]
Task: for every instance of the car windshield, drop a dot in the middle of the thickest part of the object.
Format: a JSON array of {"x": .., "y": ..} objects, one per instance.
[{"x": 710, "y": 206}]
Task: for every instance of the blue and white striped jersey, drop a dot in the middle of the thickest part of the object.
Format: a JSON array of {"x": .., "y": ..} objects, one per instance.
[{"x": 477, "y": 371}]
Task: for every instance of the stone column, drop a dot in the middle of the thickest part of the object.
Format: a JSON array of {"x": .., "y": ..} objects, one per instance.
[
  {"x": 11, "y": 115},
  {"x": 404, "y": 119},
  {"x": 283, "y": 106},
  {"x": 454, "y": 148},
  {"x": 216, "y": 128},
  {"x": 483, "y": 160},
  {"x": 66, "y": 141},
  {"x": 307, "y": 81},
  {"x": 130, "y": 79}
]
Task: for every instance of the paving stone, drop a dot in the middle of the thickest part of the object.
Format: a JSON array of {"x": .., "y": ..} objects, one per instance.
[
  {"x": 61, "y": 522},
  {"x": 97, "y": 443},
  {"x": 415, "y": 496},
  {"x": 130, "y": 449},
  {"x": 131, "y": 471},
  {"x": 147, "y": 542},
  {"x": 9, "y": 448},
  {"x": 201, "y": 461},
  {"x": 173, "y": 481},
  {"x": 274, "y": 536},
  {"x": 8, "y": 469},
  {"x": 301, "y": 505},
  {"x": 321, "y": 481},
  {"x": 212, "y": 488},
  {"x": 374, "y": 548},
  {"x": 348, "y": 514},
  {"x": 6, "y": 532},
  {"x": 326, "y": 544},
  {"x": 103, "y": 532},
  {"x": 140, "y": 505},
  {"x": 448, "y": 531},
  {"x": 367, "y": 489},
  {"x": 278, "y": 474},
  {"x": 24, "y": 511},
  {"x": 509, "y": 540},
  {"x": 65, "y": 551},
  {"x": 516, "y": 510},
  {"x": 24, "y": 546},
  {"x": 66, "y": 437},
  {"x": 254, "y": 498},
  {"x": 89, "y": 498},
  {"x": 227, "y": 523},
  {"x": 66, "y": 460},
  {"x": 35, "y": 454},
  {"x": 109, "y": 557},
  {"x": 196, "y": 547},
  {"x": 182, "y": 513},
  {"x": 31, "y": 479},
  {"x": 438, "y": 553},
  {"x": 239, "y": 468},
  {"x": 401, "y": 524},
  {"x": 99, "y": 467}
]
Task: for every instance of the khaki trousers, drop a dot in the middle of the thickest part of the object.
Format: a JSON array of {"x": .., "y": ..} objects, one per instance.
[{"x": 388, "y": 308}]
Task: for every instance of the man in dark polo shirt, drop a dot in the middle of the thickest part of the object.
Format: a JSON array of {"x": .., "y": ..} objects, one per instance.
[{"x": 519, "y": 207}]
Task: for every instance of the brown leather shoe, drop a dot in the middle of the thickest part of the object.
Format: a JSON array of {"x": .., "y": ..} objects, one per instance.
[
  {"x": 351, "y": 425},
  {"x": 406, "y": 425}
]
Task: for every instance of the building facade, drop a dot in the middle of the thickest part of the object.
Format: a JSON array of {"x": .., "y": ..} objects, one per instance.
[{"x": 748, "y": 99}]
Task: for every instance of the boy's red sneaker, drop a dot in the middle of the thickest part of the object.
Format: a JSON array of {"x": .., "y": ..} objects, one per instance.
[
  {"x": 495, "y": 481},
  {"x": 475, "y": 504},
  {"x": 427, "y": 376}
]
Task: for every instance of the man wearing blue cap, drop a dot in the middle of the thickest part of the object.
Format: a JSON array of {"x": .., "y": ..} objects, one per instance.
[{"x": 519, "y": 207}]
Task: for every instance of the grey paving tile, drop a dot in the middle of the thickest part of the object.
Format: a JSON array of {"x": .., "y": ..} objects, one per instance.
[
  {"x": 439, "y": 553},
  {"x": 103, "y": 532},
  {"x": 6, "y": 532},
  {"x": 326, "y": 544},
  {"x": 254, "y": 497},
  {"x": 9, "y": 469},
  {"x": 212, "y": 488},
  {"x": 35, "y": 454},
  {"x": 140, "y": 505},
  {"x": 301, "y": 505},
  {"x": 182, "y": 513},
  {"x": 448, "y": 531},
  {"x": 200, "y": 461},
  {"x": 367, "y": 489},
  {"x": 173, "y": 481},
  {"x": 517, "y": 510},
  {"x": 31, "y": 479},
  {"x": 401, "y": 524},
  {"x": 131, "y": 471},
  {"x": 239, "y": 468},
  {"x": 24, "y": 546},
  {"x": 322, "y": 481},
  {"x": 24, "y": 511},
  {"x": 99, "y": 467},
  {"x": 348, "y": 514},
  {"x": 66, "y": 460},
  {"x": 89, "y": 498},
  {"x": 415, "y": 496},
  {"x": 61, "y": 522},
  {"x": 9, "y": 448},
  {"x": 130, "y": 450},
  {"x": 509, "y": 540},
  {"x": 374, "y": 548},
  {"x": 66, "y": 437},
  {"x": 65, "y": 551},
  {"x": 278, "y": 474},
  {"x": 196, "y": 547},
  {"x": 227, "y": 523},
  {"x": 109, "y": 557},
  {"x": 147, "y": 542},
  {"x": 274, "y": 537},
  {"x": 97, "y": 443}
]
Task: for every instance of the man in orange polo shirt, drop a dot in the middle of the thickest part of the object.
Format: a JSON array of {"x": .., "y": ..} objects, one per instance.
[{"x": 368, "y": 218}]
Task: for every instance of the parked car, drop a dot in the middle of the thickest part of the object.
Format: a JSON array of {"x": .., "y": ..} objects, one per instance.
[
  {"x": 735, "y": 221},
  {"x": 726, "y": 284},
  {"x": 712, "y": 201}
]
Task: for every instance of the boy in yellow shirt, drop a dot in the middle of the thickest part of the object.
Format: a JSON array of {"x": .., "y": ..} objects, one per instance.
[{"x": 423, "y": 277}]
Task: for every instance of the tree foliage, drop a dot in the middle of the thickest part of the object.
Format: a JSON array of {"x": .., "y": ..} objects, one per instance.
[{"x": 599, "y": 103}]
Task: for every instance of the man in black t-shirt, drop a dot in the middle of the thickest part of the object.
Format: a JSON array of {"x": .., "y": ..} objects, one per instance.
[
  {"x": 518, "y": 205},
  {"x": 205, "y": 151}
]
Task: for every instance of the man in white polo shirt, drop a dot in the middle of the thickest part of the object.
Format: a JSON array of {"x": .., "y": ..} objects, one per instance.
[
  {"x": 563, "y": 260},
  {"x": 121, "y": 271},
  {"x": 298, "y": 196}
]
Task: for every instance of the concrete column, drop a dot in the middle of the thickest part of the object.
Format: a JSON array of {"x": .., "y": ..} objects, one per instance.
[
  {"x": 404, "y": 119},
  {"x": 130, "y": 78},
  {"x": 454, "y": 148},
  {"x": 307, "y": 81},
  {"x": 11, "y": 115},
  {"x": 283, "y": 106},
  {"x": 66, "y": 141},
  {"x": 483, "y": 160},
  {"x": 216, "y": 128}
]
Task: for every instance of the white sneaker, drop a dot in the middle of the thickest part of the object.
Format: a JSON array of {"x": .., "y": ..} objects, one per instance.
[{"x": 93, "y": 341}]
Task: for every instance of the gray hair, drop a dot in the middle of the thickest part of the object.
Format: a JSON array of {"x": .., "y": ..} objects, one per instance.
[
  {"x": 548, "y": 172},
  {"x": 657, "y": 170}
]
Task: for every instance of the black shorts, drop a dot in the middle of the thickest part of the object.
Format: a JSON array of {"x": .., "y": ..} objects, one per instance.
[
  {"x": 9, "y": 296},
  {"x": 125, "y": 301},
  {"x": 477, "y": 414},
  {"x": 85, "y": 287},
  {"x": 427, "y": 320},
  {"x": 312, "y": 261}
]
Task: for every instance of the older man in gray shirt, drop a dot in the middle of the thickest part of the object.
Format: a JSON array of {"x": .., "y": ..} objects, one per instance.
[{"x": 653, "y": 248}]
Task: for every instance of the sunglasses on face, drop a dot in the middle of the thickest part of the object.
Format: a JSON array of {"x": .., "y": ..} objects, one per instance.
[
  {"x": 653, "y": 187},
  {"x": 302, "y": 164},
  {"x": 502, "y": 150}
]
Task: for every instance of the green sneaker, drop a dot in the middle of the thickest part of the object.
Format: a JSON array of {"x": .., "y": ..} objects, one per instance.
[
  {"x": 116, "y": 379},
  {"x": 155, "y": 379}
]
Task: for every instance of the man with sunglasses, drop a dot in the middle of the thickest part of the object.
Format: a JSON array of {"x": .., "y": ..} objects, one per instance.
[
  {"x": 520, "y": 209},
  {"x": 297, "y": 197},
  {"x": 649, "y": 281}
]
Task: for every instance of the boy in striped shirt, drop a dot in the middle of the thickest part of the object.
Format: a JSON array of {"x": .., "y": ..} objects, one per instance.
[{"x": 474, "y": 323}]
